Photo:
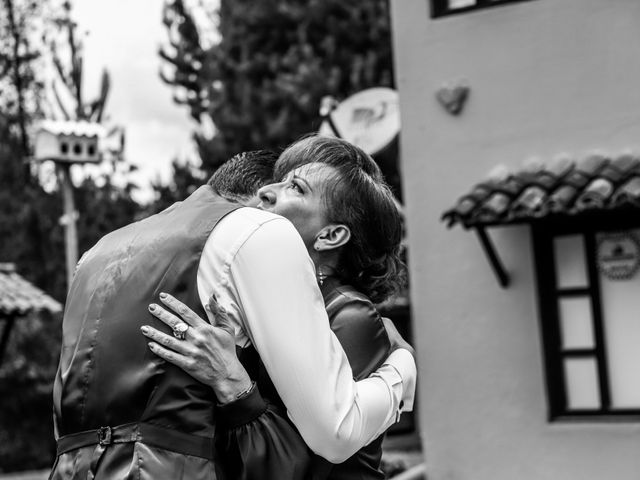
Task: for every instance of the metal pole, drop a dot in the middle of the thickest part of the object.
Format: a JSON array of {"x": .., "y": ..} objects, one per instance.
[
  {"x": 6, "y": 331},
  {"x": 494, "y": 259},
  {"x": 68, "y": 220}
]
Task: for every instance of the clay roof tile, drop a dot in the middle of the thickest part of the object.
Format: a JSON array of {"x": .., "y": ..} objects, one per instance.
[
  {"x": 20, "y": 297},
  {"x": 564, "y": 186}
]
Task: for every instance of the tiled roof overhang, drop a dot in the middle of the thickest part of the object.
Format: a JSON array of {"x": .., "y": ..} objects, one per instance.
[
  {"x": 18, "y": 297},
  {"x": 564, "y": 187}
]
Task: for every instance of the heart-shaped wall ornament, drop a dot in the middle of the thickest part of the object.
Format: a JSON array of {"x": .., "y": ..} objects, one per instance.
[{"x": 453, "y": 97}]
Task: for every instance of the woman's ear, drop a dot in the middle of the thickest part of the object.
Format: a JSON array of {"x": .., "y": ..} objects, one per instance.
[{"x": 331, "y": 237}]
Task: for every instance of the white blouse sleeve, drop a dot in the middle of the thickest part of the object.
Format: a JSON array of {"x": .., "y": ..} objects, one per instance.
[{"x": 284, "y": 316}]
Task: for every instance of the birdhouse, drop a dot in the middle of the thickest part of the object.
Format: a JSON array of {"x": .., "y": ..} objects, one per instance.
[{"x": 69, "y": 142}]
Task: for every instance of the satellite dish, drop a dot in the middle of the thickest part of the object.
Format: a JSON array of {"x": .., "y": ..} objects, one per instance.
[{"x": 369, "y": 119}]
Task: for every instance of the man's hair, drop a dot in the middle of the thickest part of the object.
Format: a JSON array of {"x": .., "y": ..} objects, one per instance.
[{"x": 240, "y": 177}]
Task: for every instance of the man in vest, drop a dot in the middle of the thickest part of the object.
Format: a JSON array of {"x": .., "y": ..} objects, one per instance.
[{"x": 121, "y": 412}]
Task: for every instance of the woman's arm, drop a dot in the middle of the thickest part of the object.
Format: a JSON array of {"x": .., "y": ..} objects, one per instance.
[
  {"x": 258, "y": 442},
  {"x": 283, "y": 314},
  {"x": 256, "y": 439},
  {"x": 206, "y": 352},
  {"x": 360, "y": 330},
  {"x": 273, "y": 280}
]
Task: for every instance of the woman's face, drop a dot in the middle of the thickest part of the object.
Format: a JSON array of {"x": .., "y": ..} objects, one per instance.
[{"x": 299, "y": 198}]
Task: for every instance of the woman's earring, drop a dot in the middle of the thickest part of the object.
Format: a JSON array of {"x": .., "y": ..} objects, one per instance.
[{"x": 321, "y": 276}]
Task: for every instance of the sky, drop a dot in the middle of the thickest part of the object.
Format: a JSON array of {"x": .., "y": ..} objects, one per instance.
[{"x": 124, "y": 37}]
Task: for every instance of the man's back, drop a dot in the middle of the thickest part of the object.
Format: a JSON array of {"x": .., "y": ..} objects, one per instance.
[{"x": 107, "y": 376}]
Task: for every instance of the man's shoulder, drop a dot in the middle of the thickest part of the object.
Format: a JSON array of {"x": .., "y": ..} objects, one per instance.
[
  {"x": 250, "y": 216},
  {"x": 246, "y": 220},
  {"x": 251, "y": 224}
]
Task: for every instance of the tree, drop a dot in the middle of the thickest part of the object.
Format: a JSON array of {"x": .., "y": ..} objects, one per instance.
[
  {"x": 69, "y": 79},
  {"x": 30, "y": 233},
  {"x": 18, "y": 83},
  {"x": 186, "y": 178},
  {"x": 25, "y": 205},
  {"x": 261, "y": 83}
]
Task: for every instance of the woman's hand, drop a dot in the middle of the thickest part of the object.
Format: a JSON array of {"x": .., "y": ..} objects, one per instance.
[
  {"x": 395, "y": 338},
  {"x": 204, "y": 351}
]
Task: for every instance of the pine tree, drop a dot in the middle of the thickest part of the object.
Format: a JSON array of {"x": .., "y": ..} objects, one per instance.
[
  {"x": 31, "y": 236},
  {"x": 261, "y": 84},
  {"x": 23, "y": 214},
  {"x": 185, "y": 178},
  {"x": 18, "y": 83}
]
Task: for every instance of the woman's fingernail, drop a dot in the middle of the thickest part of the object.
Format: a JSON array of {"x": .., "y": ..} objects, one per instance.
[
  {"x": 152, "y": 345},
  {"x": 144, "y": 329},
  {"x": 152, "y": 307},
  {"x": 163, "y": 295}
]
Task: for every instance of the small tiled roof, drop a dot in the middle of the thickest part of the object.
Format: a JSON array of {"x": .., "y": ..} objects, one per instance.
[
  {"x": 565, "y": 186},
  {"x": 19, "y": 297}
]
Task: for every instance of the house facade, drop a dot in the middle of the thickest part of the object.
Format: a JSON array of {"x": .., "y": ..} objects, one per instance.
[{"x": 520, "y": 151}]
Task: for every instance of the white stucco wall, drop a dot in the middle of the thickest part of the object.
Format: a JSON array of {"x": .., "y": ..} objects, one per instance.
[{"x": 546, "y": 77}]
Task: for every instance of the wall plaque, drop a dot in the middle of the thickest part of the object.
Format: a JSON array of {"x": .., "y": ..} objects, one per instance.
[{"x": 618, "y": 255}]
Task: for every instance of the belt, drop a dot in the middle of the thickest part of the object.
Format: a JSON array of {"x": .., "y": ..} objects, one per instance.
[{"x": 162, "y": 437}]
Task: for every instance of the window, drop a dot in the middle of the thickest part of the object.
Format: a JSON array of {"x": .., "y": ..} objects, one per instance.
[
  {"x": 589, "y": 292},
  {"x": 446, "y": 7}
]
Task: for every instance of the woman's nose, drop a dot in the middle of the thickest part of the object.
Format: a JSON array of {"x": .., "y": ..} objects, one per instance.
[{"x": 267, "y": 194}]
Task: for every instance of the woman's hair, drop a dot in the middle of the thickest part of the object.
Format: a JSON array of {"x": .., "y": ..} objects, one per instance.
[{"x": 358, "y": 197}]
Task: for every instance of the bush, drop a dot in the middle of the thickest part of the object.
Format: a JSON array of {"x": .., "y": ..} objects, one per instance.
[{"x": 27, "y": 374}]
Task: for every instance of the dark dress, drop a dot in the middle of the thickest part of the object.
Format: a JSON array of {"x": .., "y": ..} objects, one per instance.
[{"x": 256, "y": 438}]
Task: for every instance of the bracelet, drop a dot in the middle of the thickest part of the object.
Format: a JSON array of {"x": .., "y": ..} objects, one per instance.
[{"x": 247, "y": 392}]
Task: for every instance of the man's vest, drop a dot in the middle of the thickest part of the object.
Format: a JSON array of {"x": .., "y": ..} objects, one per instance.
[{"x": 108, "y": 377}]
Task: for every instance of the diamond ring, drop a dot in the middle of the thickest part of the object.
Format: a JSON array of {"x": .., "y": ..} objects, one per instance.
[{"x": 180, "y": 330}]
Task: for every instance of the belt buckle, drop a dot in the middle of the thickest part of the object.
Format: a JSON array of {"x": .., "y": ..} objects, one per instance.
[{"x": 104, "y": 436}]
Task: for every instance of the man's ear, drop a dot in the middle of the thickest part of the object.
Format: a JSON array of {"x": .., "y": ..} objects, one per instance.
[{"x": 331, "y": 237}]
